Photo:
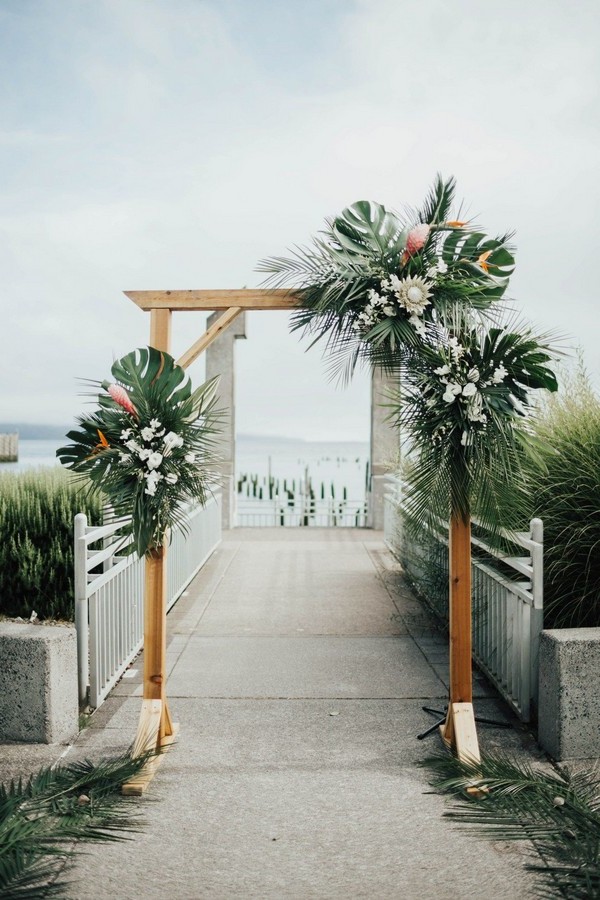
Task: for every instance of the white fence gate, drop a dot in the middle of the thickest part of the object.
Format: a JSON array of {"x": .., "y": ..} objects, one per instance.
[
  {"x": 109, "y": 592},
  {"x": 507, "y": 594}
]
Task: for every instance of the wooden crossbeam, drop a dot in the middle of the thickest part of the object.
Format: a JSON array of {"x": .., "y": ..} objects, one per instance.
[
  {"x": 209, "y": 336},
  {"x": 196, "y": 301}
]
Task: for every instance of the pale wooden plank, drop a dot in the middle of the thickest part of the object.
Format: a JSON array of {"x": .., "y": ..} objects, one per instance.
[
  {"x": 209, "y": 336},
  {"x": 465, "y": 732},
  {"x": 191, "y": 300}
]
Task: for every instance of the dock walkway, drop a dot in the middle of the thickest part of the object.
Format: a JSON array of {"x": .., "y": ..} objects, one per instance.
[{"x": 299, "y": 663}]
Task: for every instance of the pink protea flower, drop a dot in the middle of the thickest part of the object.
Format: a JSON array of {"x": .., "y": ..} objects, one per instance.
[
  {"x": 121, "y": 397},
  {"x": 416, "y": 238}
]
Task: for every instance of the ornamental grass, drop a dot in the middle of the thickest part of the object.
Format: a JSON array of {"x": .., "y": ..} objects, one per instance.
[{"x": 37, "y": 508}]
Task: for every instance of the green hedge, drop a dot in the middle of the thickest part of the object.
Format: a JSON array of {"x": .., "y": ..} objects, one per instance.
[{"x": 37, "y": 508}]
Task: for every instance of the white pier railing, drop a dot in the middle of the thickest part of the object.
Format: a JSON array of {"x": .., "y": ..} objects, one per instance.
[
  {"x": 507, "y": 592},
  {"x": 109, "y": 592},
  {"x": 302, "y": 511}
]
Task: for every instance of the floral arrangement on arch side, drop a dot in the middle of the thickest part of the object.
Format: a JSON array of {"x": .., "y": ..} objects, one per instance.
[
  {"x": 373, "y": 279},
  {"x": 150, "y": 445},
  {"x": 465, "y": 405}
]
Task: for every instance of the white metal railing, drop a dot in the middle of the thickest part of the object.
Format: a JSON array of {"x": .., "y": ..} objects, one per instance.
[
  {"x": 109, "y": 592},
  {"x": 508, "y": 599},
  {"x": 281, "y": 511}
]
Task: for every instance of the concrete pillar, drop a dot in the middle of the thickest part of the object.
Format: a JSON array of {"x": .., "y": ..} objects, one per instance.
[
  {"x": 220, "y": 361},
  {"x": 385, "y": 442}
]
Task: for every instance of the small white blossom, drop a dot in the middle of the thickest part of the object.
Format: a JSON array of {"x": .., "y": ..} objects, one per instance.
[
  {"x": 418, "y": 325},
  {"x": 190, "y": 457},
  {"x": 171, "y": 478},
  {"x": 152, "y": 479},
  {"x": 124, "y": 457},
  {"x": 456, "y": 349},
  {"x": 469, "y": 390},
  {"x": 133, "y": 446},
  {"x": 441, "y": 266},
  {"x": 144, "y": 453},
  {"x": 126, "y": 434},
  {"x": 172, "y": 440},
  {"x": 155, "y": 424},
  {"x": 443, "y": 370},
  {"x": 154, "y": 460},
  {"x": 389, "y": 310},
  {"x": 450, "y": 394},
  {"x": 499, "y": 374},
  {"x": 147, "y": 434}
]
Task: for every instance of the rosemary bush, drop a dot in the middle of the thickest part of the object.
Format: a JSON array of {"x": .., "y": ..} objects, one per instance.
[{"x": 36, "y": 542}]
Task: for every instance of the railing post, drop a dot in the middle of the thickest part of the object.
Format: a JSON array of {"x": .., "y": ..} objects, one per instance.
[
  {"x": 81, "y": 604},
  {"x": 537, "y": 612}
]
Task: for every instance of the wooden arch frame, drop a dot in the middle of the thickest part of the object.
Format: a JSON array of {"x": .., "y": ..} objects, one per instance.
[{"x": 156, "y": 730}]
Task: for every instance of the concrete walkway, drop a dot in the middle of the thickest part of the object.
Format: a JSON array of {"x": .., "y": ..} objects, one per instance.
[{"x": 298, "y": 667}]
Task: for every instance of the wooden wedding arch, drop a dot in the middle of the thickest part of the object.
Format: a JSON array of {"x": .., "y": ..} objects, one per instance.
[{"x": 156, "y": 730}]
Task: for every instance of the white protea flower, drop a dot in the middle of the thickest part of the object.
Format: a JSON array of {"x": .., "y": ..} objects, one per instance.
[
  {"x": 154, "y": 460},
  {"x": 147, "y": 433},
  {"x": 413, "y": 294},
  {"x": 469, "y": 390}
]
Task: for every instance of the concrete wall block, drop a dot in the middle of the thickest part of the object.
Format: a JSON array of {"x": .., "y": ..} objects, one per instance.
[
  {"x": 38, "y": 683},
  {"x": 569, "y": 698}
]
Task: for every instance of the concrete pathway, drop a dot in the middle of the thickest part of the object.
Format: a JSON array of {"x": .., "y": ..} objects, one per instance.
[{"x": 299, "y": 664}]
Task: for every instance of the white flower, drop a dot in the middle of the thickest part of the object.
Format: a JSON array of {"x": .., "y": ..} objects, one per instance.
[
  {"x": 190, "y": 457},
  {"x": 418, "y": 325},
  {"x": 413, "y": 294},
  {"x": 389, "y": 310},
  {"x": 152, "y": 479},
  {"x": 154, "y": 460},
  {"x": 126, "y": 434},
  {"x": 374, "y": 298},
  {"x": 171, "y": 478},
  {"x": 469, "y": 390},
  {"x": 452, "y": 390},
  {"x": 443, "y": 370},
  {"x": 431, "y": 271},
  {"x": 144, "y": 453},
  {"x": 147, "y": 434},
  {"x": 124, "y": 457},
  {"x": 441, "y": 266},
  {"x": 473, "y": 374},
  {"x": 172, "y": 440},
  {"x": 133, "y": 446},
  {"x": 155, "y": 424},
  {"x": 392, "y": 284},
  {"x": 456, "y": 349},
  {"x": 499, "y": 374}
]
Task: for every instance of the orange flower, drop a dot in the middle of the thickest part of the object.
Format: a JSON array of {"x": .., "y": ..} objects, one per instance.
[
  {"x": 103, "y": 442},
  {"x": 455, "y": 224},
  {"x": 482, "y": 260}
]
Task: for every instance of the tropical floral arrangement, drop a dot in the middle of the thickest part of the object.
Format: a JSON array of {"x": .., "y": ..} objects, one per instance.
[
  {"x": 150, "y": 446},
  {"x": 373, "y": 279},
  {"x": 466, "y": 407}
]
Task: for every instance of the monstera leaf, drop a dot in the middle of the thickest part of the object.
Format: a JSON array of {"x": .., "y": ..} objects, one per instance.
[{"x": 368, "y": 229}]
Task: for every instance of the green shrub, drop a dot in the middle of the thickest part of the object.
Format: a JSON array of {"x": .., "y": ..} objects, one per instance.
[
  {"x": 37, "y": 508},
  {"x": 563, "y": 489}
]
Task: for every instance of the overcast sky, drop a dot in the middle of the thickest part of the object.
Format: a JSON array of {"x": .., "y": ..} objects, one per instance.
[{"x": 174, "y": 143}]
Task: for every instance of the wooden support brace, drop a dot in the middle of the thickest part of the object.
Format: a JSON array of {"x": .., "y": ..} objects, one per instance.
[
  {"x": 147, "y": 738},
  {"x": 209, "y": 336}
]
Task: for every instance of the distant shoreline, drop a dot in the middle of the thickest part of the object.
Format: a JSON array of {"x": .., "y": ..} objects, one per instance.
[{"x": 33, "y": 432}]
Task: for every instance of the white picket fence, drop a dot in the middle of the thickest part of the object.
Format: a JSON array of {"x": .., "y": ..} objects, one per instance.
[
  {"x": 308, "y": 512},
  {"x": 109, "y": 592},
  {"x": 508, "y": 599}
]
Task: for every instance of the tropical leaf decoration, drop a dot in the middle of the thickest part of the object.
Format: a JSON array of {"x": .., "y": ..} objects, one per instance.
[
  {"x": 373, "y": 279},
  {"x": 42, "y": 816},
  {"x": 149, "y": 448},
  {"x": 558, "y": 811},
  {"x": 466, "y": 402}
]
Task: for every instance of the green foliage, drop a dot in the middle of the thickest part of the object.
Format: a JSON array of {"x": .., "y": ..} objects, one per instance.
[
  {"x": 348, "y": 299},
  {"x": 40, "y": 818},
  {"x": 558, "y": 811},
  {"x": 37, "y": 509},
  {"x": 150, "y": 447},
  {"x": 562, "y": 486}
]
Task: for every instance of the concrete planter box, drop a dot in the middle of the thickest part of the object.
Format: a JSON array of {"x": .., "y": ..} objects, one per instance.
[
  {"x": 38, "y": 683},
  {"x": 569, "y": 700}
]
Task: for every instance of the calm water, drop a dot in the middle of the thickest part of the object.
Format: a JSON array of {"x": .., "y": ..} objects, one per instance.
[{"x": 340, "y": 463}]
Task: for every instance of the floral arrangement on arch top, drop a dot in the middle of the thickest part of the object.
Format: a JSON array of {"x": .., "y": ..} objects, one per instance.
[
  {"x": 373, "y": 280},
  {"x": 149, "y": 447}
]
